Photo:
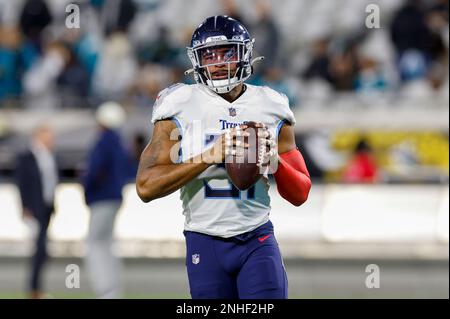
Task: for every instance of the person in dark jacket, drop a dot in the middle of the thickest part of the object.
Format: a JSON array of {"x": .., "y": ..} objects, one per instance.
[
  {"x": 34, "y": 18},
  {"x": 37, "y": 177},
  {"x": 106, "y": 174}
]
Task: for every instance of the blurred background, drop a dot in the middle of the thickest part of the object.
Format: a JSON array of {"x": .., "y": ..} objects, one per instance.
[{"x": 372, "y": 109}]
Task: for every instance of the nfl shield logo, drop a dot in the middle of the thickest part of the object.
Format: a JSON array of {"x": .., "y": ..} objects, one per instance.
[
  {"x": 232, "y": 111},
  {"x": 195, "y": 259}
]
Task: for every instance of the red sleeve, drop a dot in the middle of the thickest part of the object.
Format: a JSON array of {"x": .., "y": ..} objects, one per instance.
[{"x": 292, "y": 177}]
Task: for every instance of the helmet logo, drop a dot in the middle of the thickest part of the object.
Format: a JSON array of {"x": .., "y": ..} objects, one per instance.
[
  {"x": 216, "y": 38},
  {"x": 230, "y": 54}
]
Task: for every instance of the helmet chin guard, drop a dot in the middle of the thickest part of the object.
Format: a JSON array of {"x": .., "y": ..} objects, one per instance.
[
  {"x": 223, "y": 86},
  {"x": 231, "y": 37}
]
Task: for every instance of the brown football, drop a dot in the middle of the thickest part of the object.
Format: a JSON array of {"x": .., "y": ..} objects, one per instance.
[{"x": 242, "y": 168}]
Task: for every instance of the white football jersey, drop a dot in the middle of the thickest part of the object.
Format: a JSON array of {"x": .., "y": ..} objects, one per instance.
[{"x": 211, "y": 203}]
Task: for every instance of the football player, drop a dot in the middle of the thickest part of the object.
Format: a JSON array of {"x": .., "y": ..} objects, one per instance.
[{"x": 231, "y": 248}]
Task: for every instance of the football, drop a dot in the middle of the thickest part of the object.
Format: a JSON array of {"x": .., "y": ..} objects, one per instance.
[{"x": 242, "y": 168}]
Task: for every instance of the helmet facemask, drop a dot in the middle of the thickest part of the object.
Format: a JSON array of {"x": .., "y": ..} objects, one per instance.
[{"x": 233, "y": 56}]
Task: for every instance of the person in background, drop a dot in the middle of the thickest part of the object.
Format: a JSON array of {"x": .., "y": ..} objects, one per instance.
[
  {"x": 362, "y": 167},
  {"x": 114, "y": 15},
  {"x": 319, "y": 65},
  {"x": 73, "y": 83},
  {"x": 37, "y": 177},
  {"x": 10, "y": 85},
  {"x": 268, "y": 35},
  {"x": 34, "y": 19},
  {"x": 40, "y": 80},
  {"x": 370, "y": 78},
  {"x": 116, "y": 61},
  {"x": 107, "y": 173},
  {"x": 232, "y": 10}
]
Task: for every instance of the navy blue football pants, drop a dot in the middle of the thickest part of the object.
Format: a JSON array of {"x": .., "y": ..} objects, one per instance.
[{"x": 247, "y": 266}]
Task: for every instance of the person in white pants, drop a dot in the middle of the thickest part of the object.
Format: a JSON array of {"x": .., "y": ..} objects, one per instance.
[
  {"x": 106, "y": 174},
  {"x": 104, "y": 266}
]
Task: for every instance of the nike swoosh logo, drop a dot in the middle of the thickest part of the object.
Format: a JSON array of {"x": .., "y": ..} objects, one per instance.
[{"x": 262, "y": 239}]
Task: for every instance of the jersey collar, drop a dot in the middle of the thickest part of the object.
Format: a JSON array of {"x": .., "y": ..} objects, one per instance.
[{"x": 217, "y": 99}]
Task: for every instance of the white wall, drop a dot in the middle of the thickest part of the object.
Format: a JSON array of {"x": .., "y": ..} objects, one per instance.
[{"x": 333, "y": 213}]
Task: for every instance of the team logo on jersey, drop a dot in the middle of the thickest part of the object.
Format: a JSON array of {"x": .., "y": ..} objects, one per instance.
[
  {"x": 232, "y": 111},
  {"x": 195, "y": 259}
]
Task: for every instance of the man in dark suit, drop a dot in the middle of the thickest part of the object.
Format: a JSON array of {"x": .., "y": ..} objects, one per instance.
[{"x": 37, "y": 177}]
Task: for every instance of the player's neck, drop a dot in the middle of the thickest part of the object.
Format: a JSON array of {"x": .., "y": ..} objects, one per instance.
[{"x": 235, "y": 93}]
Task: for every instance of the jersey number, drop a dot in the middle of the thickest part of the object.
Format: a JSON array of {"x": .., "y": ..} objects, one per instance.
[{"x": 221, "y": 193}]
